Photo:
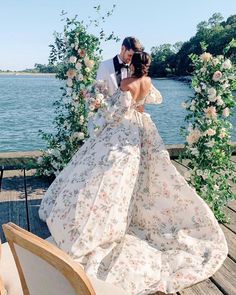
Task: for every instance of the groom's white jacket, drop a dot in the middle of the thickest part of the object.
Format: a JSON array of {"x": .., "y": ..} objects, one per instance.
[{"x": 106, "y": 72}]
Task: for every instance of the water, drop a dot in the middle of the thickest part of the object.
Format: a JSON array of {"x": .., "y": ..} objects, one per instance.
[{"x": 26, "y": 106}]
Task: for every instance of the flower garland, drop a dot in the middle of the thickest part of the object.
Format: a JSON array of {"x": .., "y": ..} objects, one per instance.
[
  {"x": 207, "y": 147},
  {"x": 78, "y": 54}
]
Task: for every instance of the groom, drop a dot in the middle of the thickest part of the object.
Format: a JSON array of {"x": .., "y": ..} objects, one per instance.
[{"x": 113, "y": 70}]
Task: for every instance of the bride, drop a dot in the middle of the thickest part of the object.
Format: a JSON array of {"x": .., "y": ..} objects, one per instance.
[{"x": 122, "y": 210}]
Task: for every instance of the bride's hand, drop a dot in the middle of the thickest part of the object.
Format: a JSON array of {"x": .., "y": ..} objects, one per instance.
[{"x": 140, "y": 108}]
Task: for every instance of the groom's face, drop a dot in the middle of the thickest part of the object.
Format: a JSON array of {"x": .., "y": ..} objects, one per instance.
[{"x": 126, "y": 55}]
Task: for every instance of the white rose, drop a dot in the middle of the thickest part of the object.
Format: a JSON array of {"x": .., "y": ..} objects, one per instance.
[
  {"x": 223, "y": 133},
  {"x": 211, "y": 94},
  {"x": 78, "y": 66},
  {"x": 88, "y": 62},
  {"x": 197, "y": 89},
  {"x": 69, "y": 82},
  {"x": 226, "y": 64},
  {"x": 87, "y": 70},
  {"x": 72, "y": 45},
  {"x": 215, "y": 61},
  {"x": 80, "y": 77},
  {"x": 226, "y": 112},
  {"x": 81, "y": 119},
  {"x": 216, "y": 187},
  {"x": 55, "y": 153},
  {"x": 203, "y": 85},
  {"x": 212, "y": 98},
  {"x": 78, "y": 135},
  {"x": 72, "y": 59},
  {"x": 226, "y": 85},
  {"x": 194, "y": 151},
  {"x": 90, "y": 114},
  {"x": 99, "y": 96},
  {"x": 92, "y": 107},
  {"x": 210, "y": 143},
  {"x": 206, "y": 56},
  {"x": 220, "y": 101}
]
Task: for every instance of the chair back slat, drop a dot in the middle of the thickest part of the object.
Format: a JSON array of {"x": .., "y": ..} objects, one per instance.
[{"x": 43, "y": 268}]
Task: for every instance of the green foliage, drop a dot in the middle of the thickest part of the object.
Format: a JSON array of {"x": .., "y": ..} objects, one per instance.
[
  {"x": 163, "y": 59},
  {"x": 76, "y": 53},
  {"x": 207, "y": 146},
  {"x": 217, "y": 36}
]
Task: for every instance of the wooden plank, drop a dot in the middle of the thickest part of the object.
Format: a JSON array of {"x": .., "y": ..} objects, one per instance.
[
  {"x": 233, "y": 158},
  {"x": 206, "y": 287},
  {"x": 232, "y": 215},
  {"x": 182, "y": 170},
  {"x": 232, "y": 204},
  {"x": 231, "y": 241},
  {"x": 225, "y": 277}
]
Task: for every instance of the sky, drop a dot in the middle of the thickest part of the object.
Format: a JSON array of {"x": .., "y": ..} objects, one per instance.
[{"x": 27, "y": 27}]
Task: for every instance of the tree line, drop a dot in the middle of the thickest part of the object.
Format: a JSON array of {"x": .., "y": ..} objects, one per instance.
[
  {"x": 217, "y": 34},
  {"x": 38, "y": 68}
]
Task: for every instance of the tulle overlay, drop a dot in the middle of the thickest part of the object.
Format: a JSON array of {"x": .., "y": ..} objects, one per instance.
[{"x": 122, "y": 210}]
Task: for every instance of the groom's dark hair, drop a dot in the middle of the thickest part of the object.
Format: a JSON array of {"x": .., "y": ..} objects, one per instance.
[{"x": 132, "y": 43}]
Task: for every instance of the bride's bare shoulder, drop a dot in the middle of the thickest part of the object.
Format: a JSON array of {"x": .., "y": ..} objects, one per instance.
[{"x": 125, "y": 84}]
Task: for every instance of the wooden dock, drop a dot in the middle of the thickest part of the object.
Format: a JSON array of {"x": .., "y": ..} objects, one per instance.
[{"x": 12, "y": 208}]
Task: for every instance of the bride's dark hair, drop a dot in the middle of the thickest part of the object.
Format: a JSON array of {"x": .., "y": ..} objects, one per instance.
[{"x": 141, "y": 62}]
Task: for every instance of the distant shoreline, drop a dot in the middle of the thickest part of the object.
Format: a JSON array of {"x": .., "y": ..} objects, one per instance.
[{"x": 26, "y": 73}]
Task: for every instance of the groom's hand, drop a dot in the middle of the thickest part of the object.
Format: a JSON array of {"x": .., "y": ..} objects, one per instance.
[{"x": 140, "y": 108}]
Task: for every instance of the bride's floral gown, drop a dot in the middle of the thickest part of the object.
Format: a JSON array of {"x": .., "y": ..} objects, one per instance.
[{"x": 122, "y": 210}]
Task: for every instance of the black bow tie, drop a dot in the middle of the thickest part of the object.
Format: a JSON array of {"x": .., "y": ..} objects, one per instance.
[{"x": 123, "y": 65}]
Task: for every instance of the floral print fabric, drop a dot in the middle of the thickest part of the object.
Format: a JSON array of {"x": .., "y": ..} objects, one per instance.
[{"x": 122, "y": 210}]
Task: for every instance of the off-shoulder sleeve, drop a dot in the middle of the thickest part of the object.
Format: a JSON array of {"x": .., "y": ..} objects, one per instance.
[
  {"x": 119, "y": 104},
  {"x": 154, "y": 96}
]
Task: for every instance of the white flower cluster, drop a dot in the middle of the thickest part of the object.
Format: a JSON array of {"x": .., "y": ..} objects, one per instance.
[
  {"x": 211, "y": 99},
  {"x": 98, "y": 96},
  {"x": 207, "y": 147}
]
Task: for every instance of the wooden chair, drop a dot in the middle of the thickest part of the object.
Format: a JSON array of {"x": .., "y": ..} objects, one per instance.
[{"x": 45, "y": 269}]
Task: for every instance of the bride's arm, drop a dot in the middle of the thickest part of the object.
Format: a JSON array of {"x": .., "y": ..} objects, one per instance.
[{"x": 154, "y": 96}]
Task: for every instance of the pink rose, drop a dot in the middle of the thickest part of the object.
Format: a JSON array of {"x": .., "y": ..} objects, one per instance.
[
  {"x": 210, "y": 132},
  {"x": 217, "y": 76},
  {"x": 71, "y": 73},
  {"x": 210, "y": 112}
]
